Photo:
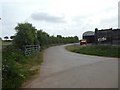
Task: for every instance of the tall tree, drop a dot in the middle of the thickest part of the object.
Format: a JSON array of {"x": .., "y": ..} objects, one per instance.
[
  {"x": 43, "y": 37},
  {"x": 76, "y": 38},
  {"x": 26, "y": 35}
]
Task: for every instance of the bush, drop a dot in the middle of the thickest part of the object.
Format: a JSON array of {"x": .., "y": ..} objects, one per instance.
[
  {"x": 16, "y": 68},
  {"x": 11, "y": 67}
]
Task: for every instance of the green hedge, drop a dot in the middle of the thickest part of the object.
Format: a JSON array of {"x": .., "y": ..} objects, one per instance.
[{"x": 16, "y": 67}]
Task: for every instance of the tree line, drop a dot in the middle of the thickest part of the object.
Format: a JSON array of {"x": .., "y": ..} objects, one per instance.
[{"x": 27, "y": 34}]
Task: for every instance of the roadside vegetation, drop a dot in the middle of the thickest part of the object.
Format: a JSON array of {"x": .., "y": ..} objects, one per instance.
[
  {"x": 98, "y": 50},
  {"x": 16, "y": 67}
]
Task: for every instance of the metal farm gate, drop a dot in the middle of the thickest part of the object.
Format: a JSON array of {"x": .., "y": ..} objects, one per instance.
[{"x": 30, "y": 49}]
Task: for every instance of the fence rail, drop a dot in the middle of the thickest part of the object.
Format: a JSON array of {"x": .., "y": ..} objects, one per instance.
[{"x": 30, "y": 49}]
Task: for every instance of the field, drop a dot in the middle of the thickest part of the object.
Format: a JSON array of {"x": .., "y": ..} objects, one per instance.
[{"x": 98, "y": 50}]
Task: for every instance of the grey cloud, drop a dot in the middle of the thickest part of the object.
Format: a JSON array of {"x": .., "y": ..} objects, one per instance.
[
  {"x": 79, "y": 18},
  {"x": 47, "y": 17}
]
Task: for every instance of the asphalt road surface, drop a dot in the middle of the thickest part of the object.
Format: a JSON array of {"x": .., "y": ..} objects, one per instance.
[{"x": 63, "y": 69}]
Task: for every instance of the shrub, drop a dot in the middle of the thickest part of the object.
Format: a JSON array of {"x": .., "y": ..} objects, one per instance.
[{"x": 11, "y": 67}]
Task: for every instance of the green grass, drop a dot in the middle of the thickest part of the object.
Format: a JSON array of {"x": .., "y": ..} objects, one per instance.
[{"x": 98, "y": 50}]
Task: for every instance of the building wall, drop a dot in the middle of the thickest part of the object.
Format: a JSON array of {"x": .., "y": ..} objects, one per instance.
[{"x": 107, "y": 36}]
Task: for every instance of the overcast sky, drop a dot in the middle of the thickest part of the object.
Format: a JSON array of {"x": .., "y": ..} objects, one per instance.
[{"x": 63, "y": 17}]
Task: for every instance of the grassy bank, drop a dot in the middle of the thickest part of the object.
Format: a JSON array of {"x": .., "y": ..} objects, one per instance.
[
  {"x": 17, "y": 68},
  {"x": 99, "y": 50}
]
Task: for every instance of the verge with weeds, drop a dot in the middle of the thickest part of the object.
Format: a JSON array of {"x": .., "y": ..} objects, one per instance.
[
  {"x": 99, "y": 50},
  {"x": 17, "y": 68}
]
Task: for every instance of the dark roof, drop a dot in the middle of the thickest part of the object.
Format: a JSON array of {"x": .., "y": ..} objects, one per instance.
[{"x": 88, "y": 33}]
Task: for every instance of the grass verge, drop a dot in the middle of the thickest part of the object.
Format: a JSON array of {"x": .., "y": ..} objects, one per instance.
[{"x": 98, "y": 50}]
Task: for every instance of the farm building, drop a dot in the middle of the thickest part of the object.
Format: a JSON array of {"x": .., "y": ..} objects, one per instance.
[
  {"x": 89, "y": 36},
  {"x": 107, "y": 36},
  {"x": 103, "y": 36}
]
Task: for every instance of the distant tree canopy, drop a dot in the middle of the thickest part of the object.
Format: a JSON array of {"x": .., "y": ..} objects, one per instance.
[
  {"x": 43, "y": 37},
  {"x": 29, "y": 35},
  {"x": 6, "y": 37},
  {"x": 12, "y": 37}
]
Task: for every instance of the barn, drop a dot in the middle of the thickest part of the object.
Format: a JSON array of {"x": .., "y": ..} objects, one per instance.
[
  {"x": 89, "y": 36},
  {"x": 103, "y": 36},
  {"x": 107, "y": 36}
]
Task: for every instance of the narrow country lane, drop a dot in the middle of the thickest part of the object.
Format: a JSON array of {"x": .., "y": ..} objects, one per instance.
[{"x": 63, "y": 69}]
